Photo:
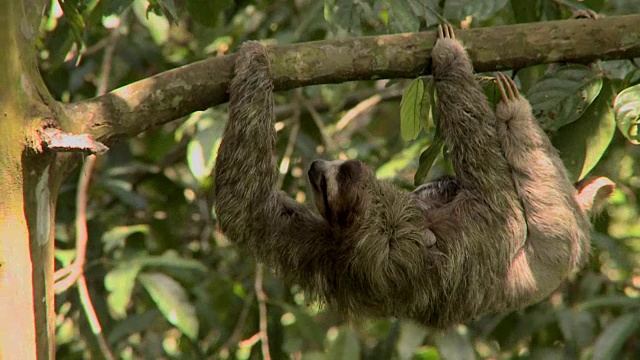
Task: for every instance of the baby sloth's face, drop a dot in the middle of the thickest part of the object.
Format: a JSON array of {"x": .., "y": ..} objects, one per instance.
[{"x": 339, "y": 188}]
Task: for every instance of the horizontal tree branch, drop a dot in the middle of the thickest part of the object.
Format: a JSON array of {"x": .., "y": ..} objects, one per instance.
[{"x": 167, "y": 96}]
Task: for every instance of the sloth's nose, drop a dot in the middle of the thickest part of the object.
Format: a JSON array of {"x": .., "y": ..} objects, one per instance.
[{"x": 317, "y": 168}]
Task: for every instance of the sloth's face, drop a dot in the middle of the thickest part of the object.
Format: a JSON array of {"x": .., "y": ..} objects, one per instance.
[{"x": 338, "y": 188}]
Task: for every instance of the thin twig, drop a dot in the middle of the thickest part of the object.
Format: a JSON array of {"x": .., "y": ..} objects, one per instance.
[
  {"x": 286, "y": 158},
  {"x": 293, "y": 136},
  {"x": 317, "y": 119},
  {"x": 262, "y": 309},
  {"x": 357, "y": 110},
  {"x": 250, "y": 341},
  {"x": 92, "y": 317},
  {"x": 65, "y": 278}
]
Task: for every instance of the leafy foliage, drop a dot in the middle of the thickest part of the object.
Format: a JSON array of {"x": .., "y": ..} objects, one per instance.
[{"x": 166, "y": 283}]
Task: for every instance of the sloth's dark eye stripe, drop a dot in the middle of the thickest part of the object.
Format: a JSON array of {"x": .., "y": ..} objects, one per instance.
[{"x": 325, "y": 197}]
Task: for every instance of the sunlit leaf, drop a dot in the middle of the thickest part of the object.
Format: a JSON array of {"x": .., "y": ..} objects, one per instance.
[
  {"x": 627, "y": 109},
  {"x": 401, "y": 17},
  {"x": 582, "y": 143},
  {"x": 203, "y": 150},
  {"x": 119, "y": 282},
  {"x": 426, "y": 160},
  {"x": 411, "y": 337},
  {"x": 614, "y": 336},
  {"x": 427, "y": 353},
  {"x": 399, "y": 162},
  {"x": 478, "y": 9},
  {"x": 117, "y": 235},
  {"x": 158, "y": 26},
  {"x": 411, "y": 110},
  {"x": 172, "y": 301},
  {"x": 563, "y": 96},
  {"x": 453, "y": 345}
]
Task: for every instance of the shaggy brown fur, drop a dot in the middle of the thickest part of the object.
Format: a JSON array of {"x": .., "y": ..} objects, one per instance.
[{"x": 501, "y": 235}]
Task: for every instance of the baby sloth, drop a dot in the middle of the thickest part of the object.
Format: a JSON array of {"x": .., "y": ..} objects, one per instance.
[{"x": 501, "y": 235}]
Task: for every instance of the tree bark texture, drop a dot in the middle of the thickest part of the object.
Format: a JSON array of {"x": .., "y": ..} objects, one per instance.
[{"x": 27, "y": 204}]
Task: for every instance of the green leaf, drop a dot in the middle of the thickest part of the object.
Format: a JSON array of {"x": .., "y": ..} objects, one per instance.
[
  {"x": 117, "y": 235},
  {"x": 119, "y": 282},
  {"x": 578, "y": 327},
  {"x": 492, "y": 93},
  {"x": 479, "y": 10},
  {"x": 305, "y": 324},
  {"x": 171, "y": 259},
  {"x": 453, "y": 345},
  {"x": 611, "y": 301},
  {"x": 157, "y": 25},
  {"x": 133, "y": 324},
  {"x": 172, "y": 301},
  {"x": 399, "y": 162},
  {"x": 525, "y": 11},
  {"x": 203, "y": 150},
  {"x": 72, "y": 15},
  {"x": 426, "y": 113},
  {"x": 613, "y": 337},
  {"x": 123, "y": 190},
  {"x": 426, "y": 9},
  {"x": 582, "y": 143},
  {"x": 401, "y": 17},
  {"x": 341, "y": 14},
  {"x": 345, "y": 346},
  {"x": 627, "y": 109},
  {"x": 530, "y": 76},
  {"x": 411, "y": 337},
  {"x": 411, "y": 110},
  {"x": 426, "y": 160},
  {"x": 207, "y": 12},
  {"x": 563, "y": 96}
]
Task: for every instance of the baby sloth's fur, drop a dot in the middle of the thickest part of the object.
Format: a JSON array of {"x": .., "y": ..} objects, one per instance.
[{"x": 501, "y": 235}]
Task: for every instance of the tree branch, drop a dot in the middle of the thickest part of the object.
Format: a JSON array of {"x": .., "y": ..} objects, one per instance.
[{"x": 145, "y": 104}]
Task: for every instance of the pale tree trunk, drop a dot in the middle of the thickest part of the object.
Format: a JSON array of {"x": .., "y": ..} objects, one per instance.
[{"x": 27, "y": 201}]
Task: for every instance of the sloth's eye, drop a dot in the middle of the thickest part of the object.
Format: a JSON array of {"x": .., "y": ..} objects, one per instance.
[{"x": 349, "y": 171}]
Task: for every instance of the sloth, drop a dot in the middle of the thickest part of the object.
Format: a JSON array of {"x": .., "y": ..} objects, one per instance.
[{"x": 500, "y": 235}]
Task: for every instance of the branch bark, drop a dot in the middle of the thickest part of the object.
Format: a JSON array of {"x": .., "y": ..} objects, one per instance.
[{"x": 145, "y": 104}]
